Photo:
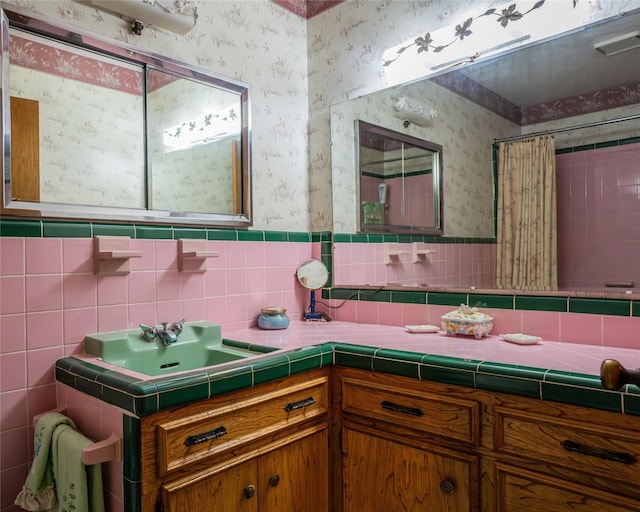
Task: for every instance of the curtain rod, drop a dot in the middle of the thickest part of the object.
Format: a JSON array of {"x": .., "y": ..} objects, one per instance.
[{"x": 568, "y": 128}]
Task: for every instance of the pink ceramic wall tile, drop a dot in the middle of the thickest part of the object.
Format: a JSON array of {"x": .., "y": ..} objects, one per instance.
[
  {"x": 344, "y": 311},
  {"x": 169, "y": 311},
  {"x": 316, "y": 250},
  {"x": 13, "y": 371},
  {"x": 505, "y": 321},
  {"x": 12, "y": 295},
  {"x": 414, "y": 314},
  {"x": 273, "y": 254},
  {"x": 14, "y": 449},
  {"x": 148, "y": 259},
  {"x": 390, "y": 314},
  {"x": 168, "y": 285},
  {"x": 79, "y": 290},
  {"x": 13, "y": 409},
  {"x": 256, "y": 281},
  {"x": 255, "y": 253},
  {"x": 112, "y": 318},
  {"x": 43, "y": 255},
  {"x": 141, "y": 287},
  {"x": 290, "y": 255},
  {"x": 77, "y": 323},
  {"x": 621, "y": 331},
  {"x": 274, "y": 280},
  {"x": 368, "y": 312},
  {"x": 12, "y": 259},
  {"x": 43, "y": 292},
  {"x": 216, "y": 310},
  {"x": 192, "y": 285},
  {"x": 40, "y": 399},
  {"x": 193, "y": 309},
  {"x": 86, "y": 412},
  {"x": 236, "y": 281},
  {"x": 142, "y": 314},
  {"x": 581, "y": 328},
  {"x": 77, "y": 255},
  {"x": 112, "y": 290},
  {"x": 13, "y": 329},
  {"x": 545, "y": 324},
  {"x": 11, "y": 482},
  {"x": 235, "y": 254},
  {"x": 40, "y": 365},
  {"x": 44, "y": 329},
  {"x": 215, "y": 283},
  {"x": 166, "y": 254}
]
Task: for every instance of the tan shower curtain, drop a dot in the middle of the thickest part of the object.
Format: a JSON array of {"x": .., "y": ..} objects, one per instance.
[{"x": 527, "y": 230}]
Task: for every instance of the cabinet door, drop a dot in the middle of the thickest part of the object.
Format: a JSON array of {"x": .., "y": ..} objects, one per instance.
[
  {"x": 519, "y": 489},
  {"x": 381, "y": 475},
  {"x": 234, "y": 489},
  {"x": 295, "y": 478}
]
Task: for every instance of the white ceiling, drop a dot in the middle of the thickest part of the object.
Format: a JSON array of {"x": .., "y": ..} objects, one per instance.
[{"x": 562, "y": 67}]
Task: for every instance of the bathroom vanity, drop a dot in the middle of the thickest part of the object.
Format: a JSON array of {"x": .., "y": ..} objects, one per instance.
[{"x": 388, "y": 425}]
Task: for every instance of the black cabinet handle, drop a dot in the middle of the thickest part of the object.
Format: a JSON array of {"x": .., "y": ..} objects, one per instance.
[
  {"x": 572, "y": 446},
  {"x": 306, "y": 402},
  {"x": 402, "y": 409},
  {"x": 205, "y": 436}
]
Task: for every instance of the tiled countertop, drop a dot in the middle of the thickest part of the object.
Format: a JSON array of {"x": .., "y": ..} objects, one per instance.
[{"x": 563, "y": 372}]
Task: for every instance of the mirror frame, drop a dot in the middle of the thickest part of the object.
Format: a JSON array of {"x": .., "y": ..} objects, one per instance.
[
  {"x": 437, "y": 228},
  {"x": 59, "y": 31}
]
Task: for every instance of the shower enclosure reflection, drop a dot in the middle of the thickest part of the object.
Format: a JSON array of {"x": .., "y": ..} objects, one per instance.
[{"x": 400, "y": 182}]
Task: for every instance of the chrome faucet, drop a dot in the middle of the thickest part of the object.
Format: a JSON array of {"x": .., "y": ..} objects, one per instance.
[{"x": 166, "y": 335}]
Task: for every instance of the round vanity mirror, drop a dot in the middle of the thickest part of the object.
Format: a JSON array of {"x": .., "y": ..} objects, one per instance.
[{"x": 313, "y": 274}]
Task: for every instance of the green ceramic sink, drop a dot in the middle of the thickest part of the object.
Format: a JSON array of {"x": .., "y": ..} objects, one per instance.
[{"x": 199, "y": 345}]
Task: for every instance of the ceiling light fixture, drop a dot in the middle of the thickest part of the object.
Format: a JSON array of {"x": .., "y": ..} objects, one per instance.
[{"x": 619, "y": 44}]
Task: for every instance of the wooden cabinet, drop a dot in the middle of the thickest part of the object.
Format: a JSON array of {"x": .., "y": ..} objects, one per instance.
[
  {"x": 289, "y": 479},
  {"x": 416, "y": 445},
  {"x": 382, "y": 473},
  {"x": 391, "y": 459},
  {"x": 261, "y": 449}
]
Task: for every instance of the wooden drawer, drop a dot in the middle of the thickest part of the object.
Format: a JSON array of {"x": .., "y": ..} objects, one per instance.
[
  {"x": 589, "y": 447},
  {"x": 444, "y": 416},
  {"x": 182, "y": 441}
]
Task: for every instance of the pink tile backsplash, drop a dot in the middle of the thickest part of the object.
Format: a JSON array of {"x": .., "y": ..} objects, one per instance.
[{"x": 48, "y": 304}]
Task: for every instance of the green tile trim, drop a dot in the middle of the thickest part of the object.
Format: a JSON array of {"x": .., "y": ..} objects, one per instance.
[
  {"x": 21, "y": 228},
  {"x": 250, "y": 236},
  {"x": 299, "y": 237},
  {"x": 615, "y": 307},
  {"x": 66, "y": 229},
  {"x": 132, "y": 440},
  {"x": 409, "y": 297},
  {"x": 540, "y": 303},
  {"x": 570, "y": 394},
  {"x": 490, "y": 301},
  {"x": 635, "y": 308},
  {"x": 146, "y": 397},
  {"x": 192, "y": 233},
  {"x": 446, "y": 299},
  {"x": 114, "y": 230},
  {"x": 222, "y": 234},
  {"x": 375, "y": 295},
  {"x": 276, "y": 236},
  {"x": 154, "y": 232}
]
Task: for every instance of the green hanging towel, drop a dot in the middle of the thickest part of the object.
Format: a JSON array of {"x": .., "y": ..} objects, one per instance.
[
  {"x": 38, "y": 492},
  {"x": 78, "y": 487}
]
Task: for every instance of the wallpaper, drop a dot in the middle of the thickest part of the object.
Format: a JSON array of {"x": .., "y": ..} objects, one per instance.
[{"x": 297, "y": 69}]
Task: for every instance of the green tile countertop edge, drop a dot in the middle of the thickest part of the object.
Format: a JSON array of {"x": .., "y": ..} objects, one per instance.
[{"x": 142, "y": 398}]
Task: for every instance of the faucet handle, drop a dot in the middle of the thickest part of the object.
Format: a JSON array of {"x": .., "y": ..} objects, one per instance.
[
  {"x": 148, "y": 333},
  {"x": 177, "y": 326}
]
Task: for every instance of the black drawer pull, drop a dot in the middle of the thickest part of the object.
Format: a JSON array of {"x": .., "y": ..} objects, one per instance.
[
  {"x": 411, "y": 411},
  {"x": 300, "y": 404},
  {"x": 205, "y": 436},
  {"x": 572, "y": 446}
]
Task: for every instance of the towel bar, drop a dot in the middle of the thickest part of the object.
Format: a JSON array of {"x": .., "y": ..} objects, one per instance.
[{"x": 103, "y": 451}]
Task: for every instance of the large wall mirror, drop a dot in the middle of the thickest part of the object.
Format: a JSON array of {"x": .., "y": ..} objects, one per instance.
[
  {"x": 589, "y": 99},
  {"x": 99, "y": 130},
  {"x": 400, "y": 182}
]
